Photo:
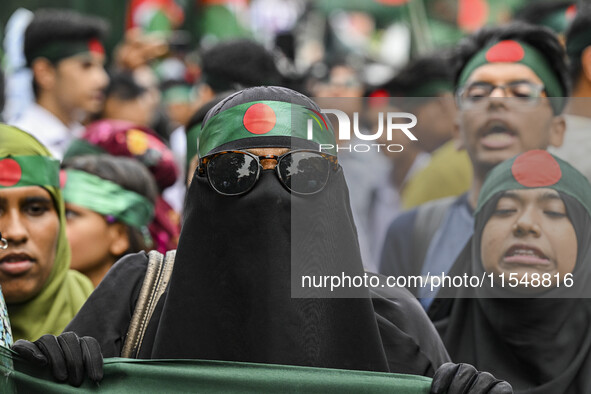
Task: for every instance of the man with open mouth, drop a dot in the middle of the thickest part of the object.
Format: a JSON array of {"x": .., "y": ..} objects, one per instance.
[{"x": 511, "y": 83}]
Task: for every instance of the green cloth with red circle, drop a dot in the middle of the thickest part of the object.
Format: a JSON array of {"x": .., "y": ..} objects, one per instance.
[
  {"x": 65, "y": 290},
  {"x": 511, "y": 51},
  {"x": 536, "y": 169},
  {"x": 266, "y": 119},
  {"x": 17, "y": 171}
]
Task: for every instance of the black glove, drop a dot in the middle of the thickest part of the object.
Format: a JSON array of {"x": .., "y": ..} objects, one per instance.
[
  {"x": 68, "y": 356},
  {"x": 453, "y": 378}
]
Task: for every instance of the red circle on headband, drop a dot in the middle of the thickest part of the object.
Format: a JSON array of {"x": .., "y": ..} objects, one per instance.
[
  {"x": 507, "y": 51},
  {"x": 536, "y": 168},
  {"x": 259, "y": 119},
  {"x": 63, "y": 178},
  {"x": 10, "y": 172}
]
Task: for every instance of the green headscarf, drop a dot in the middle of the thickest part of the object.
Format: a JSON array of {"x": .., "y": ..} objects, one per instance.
[
  {"x": 65, "y": 291},
  {"x": 536, "y": 169},
  {"x": 267, "y": 118}
]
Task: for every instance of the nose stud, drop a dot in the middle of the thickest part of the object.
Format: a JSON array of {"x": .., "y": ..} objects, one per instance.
[{"x": 3, "y": 242}]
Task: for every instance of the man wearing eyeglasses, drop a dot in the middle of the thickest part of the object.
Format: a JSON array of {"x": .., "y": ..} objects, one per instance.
[{"x": 511, "y": 83}]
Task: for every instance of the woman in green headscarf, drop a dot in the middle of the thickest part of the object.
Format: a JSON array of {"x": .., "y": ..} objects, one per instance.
[
  {"x": 529, "y": 321},
  {"x": 41, "y": 292}
]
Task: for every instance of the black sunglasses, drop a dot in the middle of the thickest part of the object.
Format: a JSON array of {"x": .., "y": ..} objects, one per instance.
[{"x": 232, "y": 173}]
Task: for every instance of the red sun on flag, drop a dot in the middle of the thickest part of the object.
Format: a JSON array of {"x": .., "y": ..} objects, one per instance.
[
  {"x": 259, "y": 119},
  {"x": 10, "y": 172},
  {"x": 507, "y": 51},
  {"x": 536, "y": 168}
]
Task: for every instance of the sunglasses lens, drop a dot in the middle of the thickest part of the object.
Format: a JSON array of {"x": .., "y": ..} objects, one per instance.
[
  {"x": 304, "y": 172},
  {"x": 232, "y": 173}
]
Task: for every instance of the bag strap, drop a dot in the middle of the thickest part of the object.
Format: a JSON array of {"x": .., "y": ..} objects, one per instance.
[{"x": 155, "y": 282}]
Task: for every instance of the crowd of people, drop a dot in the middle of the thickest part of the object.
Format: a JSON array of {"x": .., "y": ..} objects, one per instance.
[{"x": 155, "y": 206}]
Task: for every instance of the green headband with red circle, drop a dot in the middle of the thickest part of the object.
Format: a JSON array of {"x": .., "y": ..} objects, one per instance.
[
  {"x": 19, "y": 171},
  {"x": 536, "y": 169},
  {"x": 58, "y": 50},
  {"x": 511, "y": 51},
  {"x": 559, "y": 20},
  {"x": 266, "y": 119}
]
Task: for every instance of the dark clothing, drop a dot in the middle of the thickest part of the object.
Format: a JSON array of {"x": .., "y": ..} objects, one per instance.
[
  {"x": 539, "y": 345},
  {"x": 406, "y": 332},
  {"x": 236, "y": 291},
  {"x": 426, "y": 241}
]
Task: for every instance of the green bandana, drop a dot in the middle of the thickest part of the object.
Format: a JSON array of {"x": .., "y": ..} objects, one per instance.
[
  {"x": 536, "y": 169},
  {"x": 510, "y": 51},
  {"x": 107, "y": 198},
  {"x": 192, "y": 142},
  {"x": 178, "y": 94},
  {"x": 59, "y": 50},
  {"x": 18, "y": 171},
  {"x": 265, "y": 119},
  {"x": 65, "y": 290}
]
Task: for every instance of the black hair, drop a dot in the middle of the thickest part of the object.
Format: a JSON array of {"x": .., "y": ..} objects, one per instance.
[
  {"x": 49, "y": 25},
  {"x": 123, "y": 86},
  {"x": 579, "y": 25},
  {"x": 127, "y": 173},
  {"x": 539, "y": 37},
  {"x": 435, "y": 66},
  {"x": 535, "y": 11},
  {"x": 237, "y": 64}
]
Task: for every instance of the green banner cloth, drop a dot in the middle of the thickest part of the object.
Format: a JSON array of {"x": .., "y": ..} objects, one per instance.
[{"x": 196, "y": 376}]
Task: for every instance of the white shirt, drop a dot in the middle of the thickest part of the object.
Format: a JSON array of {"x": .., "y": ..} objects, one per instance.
[{"x": 48, "y": 129}]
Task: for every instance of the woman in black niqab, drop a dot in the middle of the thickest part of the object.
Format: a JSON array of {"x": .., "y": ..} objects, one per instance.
[{"x": 230, "y": 293}]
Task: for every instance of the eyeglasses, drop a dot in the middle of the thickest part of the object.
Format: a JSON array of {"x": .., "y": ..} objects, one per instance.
[
  {"x": 233, "y": 173},
  {"x": 519, "y": 93}
]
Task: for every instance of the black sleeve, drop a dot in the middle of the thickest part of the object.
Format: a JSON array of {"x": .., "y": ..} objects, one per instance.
[
  {"x": 396, "y": 257},
  {"x": 411, "y": 343},
  {"x": 107, "y": 312}
]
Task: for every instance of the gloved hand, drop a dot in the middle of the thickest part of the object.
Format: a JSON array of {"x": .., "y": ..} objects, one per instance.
[
  {"x": 69, "y": 356},
  {"x": 453, "y": 378}
]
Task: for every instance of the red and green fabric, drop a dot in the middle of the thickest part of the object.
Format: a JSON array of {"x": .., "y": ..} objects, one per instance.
[
  {"x": 154, "y": 16},
  {"x": 65, "y": 290},
  {"x": 108, "y": 198},
  {"x": 200, "y": 376},
  {"x": 19, "y": 171},
  {"x": 511, "y": 51},
  {"x": 61, "y": 49},
  {"x": 560, "y": 20},
  {"x": 265, "y": 119},
  {"x": 536, "y": 169}
]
